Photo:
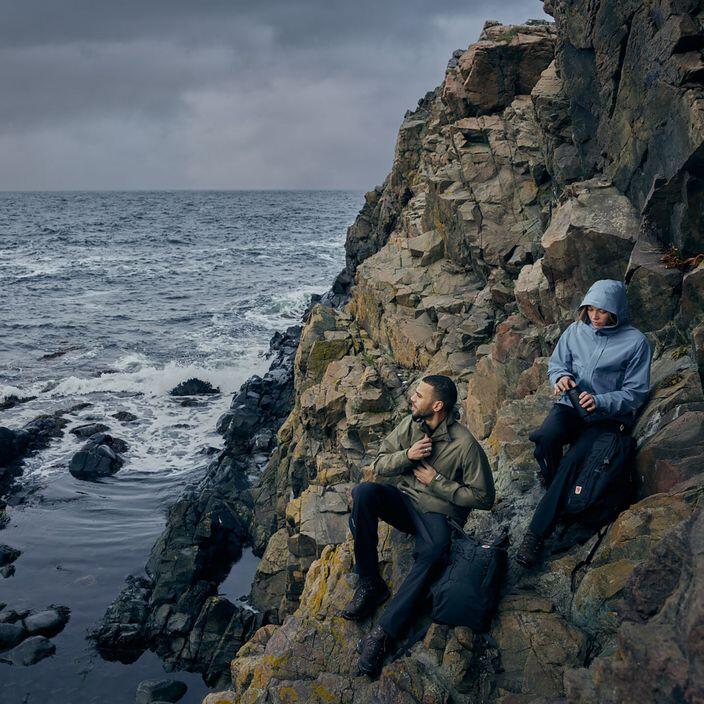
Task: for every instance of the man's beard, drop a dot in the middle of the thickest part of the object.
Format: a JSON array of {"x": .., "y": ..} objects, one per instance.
[{"x": 419, "y": 417}]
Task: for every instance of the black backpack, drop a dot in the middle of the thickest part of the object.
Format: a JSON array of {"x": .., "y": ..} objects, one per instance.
[
  {"x": 467, "y": 593},
  {"x": 604, "y": 482}
]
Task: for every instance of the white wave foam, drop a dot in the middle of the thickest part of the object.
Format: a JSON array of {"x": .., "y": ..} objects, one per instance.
[
  {"x": 6, "y": 391},
  {"x": 166, "y": 437},
  {"x": 136, "y": 374},
  {"x": 284, "y": 308}
]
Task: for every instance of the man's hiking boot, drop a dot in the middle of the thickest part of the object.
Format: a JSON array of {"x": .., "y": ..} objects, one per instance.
[
  {"x": 529, "y": 550},
  {"x": 372, "y": 649},
  {"x": 369, "y": 594}
]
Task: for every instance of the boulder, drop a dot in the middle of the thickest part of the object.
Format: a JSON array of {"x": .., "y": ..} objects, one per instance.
[
  {"x": 590, "y": 236},
  {"x": 8, "y": 555},
  {"x": 29, "y": 651},
  {"x": 152, "y": 691},
  {"x": 11, "y": 634},
  {"x": 505, "y": 62},
  {"x": 11, "y": 401},
  {"x": 124, "y": 416},
  {"x": 120, "y": 634},
  {"x": 95, "y": 461},
  {"x": 11, "y": 446},
  {"x": 88, "y": 429},
  {"x": 194, "y": 387},
  {"x": 12, "y": 616},
  {"x": 536, "y": 644},
  {"x": 321, "y": 513},
  {"x": 46, "y": 623},
  {"x": 217, "y": 634}
]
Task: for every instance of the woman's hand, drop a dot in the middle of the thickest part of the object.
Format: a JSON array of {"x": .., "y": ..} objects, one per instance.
[
  {"x": 587, "y": 402},
  {"x": 564, "y": 384}
]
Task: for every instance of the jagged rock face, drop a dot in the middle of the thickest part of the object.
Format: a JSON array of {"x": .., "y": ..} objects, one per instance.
[
  {"x": 516, "y": 184},
  {"x": 505, "y": 62},
  {"x": 635, "y": 76}
]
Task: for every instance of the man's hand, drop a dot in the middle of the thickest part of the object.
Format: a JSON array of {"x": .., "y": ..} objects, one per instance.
[
  {"x": 425, "y": 473},
  {"x": 587, "y": 402},
  {"x": 420, "y": 450},
  {"x": 564, "y": 383}
]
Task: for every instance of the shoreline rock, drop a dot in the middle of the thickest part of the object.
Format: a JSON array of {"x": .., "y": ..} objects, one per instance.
[
  {"x": 99, "y": 457},
  {"x": 175, "y": 609},
  {"x": 194, "y": 387}
]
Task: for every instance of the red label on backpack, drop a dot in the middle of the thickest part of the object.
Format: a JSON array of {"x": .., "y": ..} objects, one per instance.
[{"x": 578, "y": 490}]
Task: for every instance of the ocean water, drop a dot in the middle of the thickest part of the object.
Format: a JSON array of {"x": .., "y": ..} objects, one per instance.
[{"x": 111, "y": 299}]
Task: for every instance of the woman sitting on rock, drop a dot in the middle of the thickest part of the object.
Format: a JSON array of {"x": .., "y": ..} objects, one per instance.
[{"x": 609, "y": 361}]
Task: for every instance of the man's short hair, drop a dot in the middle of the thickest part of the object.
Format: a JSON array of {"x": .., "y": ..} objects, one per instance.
[{"x": 445, "y": 390}]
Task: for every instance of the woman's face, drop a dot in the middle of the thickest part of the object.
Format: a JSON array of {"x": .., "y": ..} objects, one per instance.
[{"x": 598, "y": 316}]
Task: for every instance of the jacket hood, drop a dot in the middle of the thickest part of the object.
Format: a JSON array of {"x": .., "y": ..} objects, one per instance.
[{"x": 609, "y": 295}]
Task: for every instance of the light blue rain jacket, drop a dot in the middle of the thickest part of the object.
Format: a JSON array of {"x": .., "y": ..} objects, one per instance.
[{"x": 611, "y": 363}]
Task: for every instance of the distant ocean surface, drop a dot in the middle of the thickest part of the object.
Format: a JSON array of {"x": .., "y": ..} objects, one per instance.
[{"x": 112, "y": 299}]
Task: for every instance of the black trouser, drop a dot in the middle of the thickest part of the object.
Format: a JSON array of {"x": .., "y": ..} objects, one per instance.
[
  {"x": 382, "y": 501},
  {"x": 562, "y": 426}
]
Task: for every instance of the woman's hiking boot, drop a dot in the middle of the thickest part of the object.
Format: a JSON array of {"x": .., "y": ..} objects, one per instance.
[
  {"x": 369, "y": 594},
  {"x": 529, "y": 550},
  {"x": 372, "y": 649}
]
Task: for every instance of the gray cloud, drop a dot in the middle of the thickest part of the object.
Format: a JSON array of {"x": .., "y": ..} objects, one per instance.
[{"x": 218, "y": 94}]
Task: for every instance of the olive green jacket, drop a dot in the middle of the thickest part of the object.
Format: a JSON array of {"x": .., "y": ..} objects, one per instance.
[{"x": 466, "y": 480}]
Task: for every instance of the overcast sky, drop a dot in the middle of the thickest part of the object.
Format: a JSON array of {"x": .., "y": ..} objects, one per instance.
[{"x": 135, "y": 94}]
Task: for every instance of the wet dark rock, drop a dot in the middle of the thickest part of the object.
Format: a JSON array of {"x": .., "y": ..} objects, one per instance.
[
  {"x": 88, "y": 429},
  {"x": 194, "y": 387},
  {"x": 47, "y": 623},
  {"x": 120, "y": 635},
  {"x": 191, "y": 403},
  {"x": 154, "y": 691},
  {"x": 40, "y": 431},
  {"x": 16, "y": 445},
  {"x": 8, "y": 555},
  {"x": 29, "y": 651},
  {"x": 262, "y": 403},
  {"x": 176, "y": 611},
  {"x": 124, "y": 416},
  {"x": 7, "y": 571},
  {"x": 10, "y": 635},
  {"x": 12, "y": 616},
  {"x": 11, "y": 401},
  {"x": 98, "y": 457},
  {"x": 79, "y": 407},
  {"x": 58, "y": 353},
  {"x": 216, "y": 636},
  {"x": 12, "y": 444},
  {"x": 115, "y": 444}
]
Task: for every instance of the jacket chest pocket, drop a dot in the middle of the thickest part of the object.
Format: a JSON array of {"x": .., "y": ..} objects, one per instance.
[{"x": 443, "y": 465}]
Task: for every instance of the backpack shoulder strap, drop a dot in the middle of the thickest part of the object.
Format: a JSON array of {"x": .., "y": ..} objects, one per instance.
[{"x": 455, "y": 525}]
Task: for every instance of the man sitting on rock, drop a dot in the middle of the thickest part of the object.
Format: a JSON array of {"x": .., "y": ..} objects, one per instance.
[{"x": 431, "y": 468}]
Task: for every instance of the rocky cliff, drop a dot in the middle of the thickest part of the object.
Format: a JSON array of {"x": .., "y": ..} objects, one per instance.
[{"x": 551, "y": 155}]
